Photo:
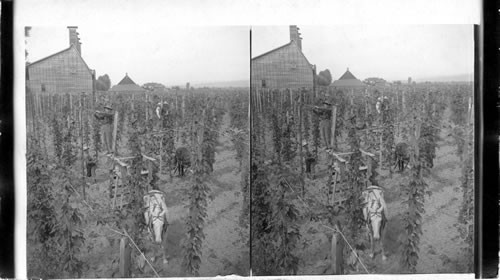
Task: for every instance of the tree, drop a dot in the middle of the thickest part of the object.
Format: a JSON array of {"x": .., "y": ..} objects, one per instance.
[
  {"x": 373, "y": 81},
  {"x": 103, "y": 83},
  {"x": 324, "y": 78},
  {"x": 154, "y": 86}
]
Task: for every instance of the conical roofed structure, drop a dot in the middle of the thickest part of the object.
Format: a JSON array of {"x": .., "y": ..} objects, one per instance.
[
  {"x": 127, "y": 85},
  {"x": 348, "y": 80}
]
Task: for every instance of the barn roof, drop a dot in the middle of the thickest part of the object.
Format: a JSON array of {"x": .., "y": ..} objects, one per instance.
[
  {"x": 58, "y": 53},
  {"x": 126, "y": 84},
  {"x": 126, "y": 80},
  {"x": 282, "y": 47},
  {"x": 347, "y": 75},
  {"x": 348, "y": 80},
  {"x": 273, "y": 50}
]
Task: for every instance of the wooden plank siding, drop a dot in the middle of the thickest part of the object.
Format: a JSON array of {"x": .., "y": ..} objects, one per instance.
[
  {"x": 64, "y": 72},
  {"x": 285, "y": 67}
]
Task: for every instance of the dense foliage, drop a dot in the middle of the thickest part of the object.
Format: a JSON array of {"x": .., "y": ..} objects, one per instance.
[
  {"x": 60, "y": 220},
  {"x": 373, "y": 120},
  {"x": 274, "y": 189}
]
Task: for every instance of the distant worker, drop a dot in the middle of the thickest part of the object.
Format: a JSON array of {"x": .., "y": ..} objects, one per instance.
[
  {"x": 161, "y": 109},
  {"x": 106, "y": 119},
  {"x": 324, "y": 113},
  {"x": 89, "y": 163},
  {"x": 382, "y": 104},
  {"x": 310, "y": 159}
]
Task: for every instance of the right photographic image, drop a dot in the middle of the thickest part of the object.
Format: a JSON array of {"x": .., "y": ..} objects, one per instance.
[{"x": 362, "y": 149}]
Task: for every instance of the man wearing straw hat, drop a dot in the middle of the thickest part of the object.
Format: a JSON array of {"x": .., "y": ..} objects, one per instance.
[{"x": 106, "y": 118}]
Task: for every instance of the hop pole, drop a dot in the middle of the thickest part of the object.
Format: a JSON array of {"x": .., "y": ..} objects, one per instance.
[{"x": 81, "y": 142}]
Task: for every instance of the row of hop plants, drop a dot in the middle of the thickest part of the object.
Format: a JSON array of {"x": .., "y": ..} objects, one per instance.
[
  {"x": 424, "y": 121},
  {"x": 462, "y": 130},
  {"x": 54, "y": 217},
  {"x": 238, "y": 111},
  {"x": 203, "y": 137},
  {"x": 413, "y": 192},
  {"x": 275, "y": 231}
]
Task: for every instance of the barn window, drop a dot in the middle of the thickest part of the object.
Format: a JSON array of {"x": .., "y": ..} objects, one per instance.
[
  {"x": 264, "y": 83},
  {"x": 43, "y": 87}
]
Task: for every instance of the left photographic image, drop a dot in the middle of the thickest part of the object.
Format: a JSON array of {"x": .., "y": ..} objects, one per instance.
[{"x": 137, "y": 151}]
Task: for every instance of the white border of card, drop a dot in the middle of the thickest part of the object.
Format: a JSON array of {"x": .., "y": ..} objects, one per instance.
[{"x": 200, "y": 12}]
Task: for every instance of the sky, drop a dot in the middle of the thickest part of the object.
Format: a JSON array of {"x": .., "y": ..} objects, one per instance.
[
  {"x": 391, "y": 52},
  {"x": 171, "y": 55},
  {"x": 175, "y": 55}
]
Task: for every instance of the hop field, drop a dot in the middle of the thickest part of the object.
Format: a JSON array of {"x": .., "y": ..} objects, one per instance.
[
  {"x": 75, "y": 228},
  {"x": 429, "y": 204}
]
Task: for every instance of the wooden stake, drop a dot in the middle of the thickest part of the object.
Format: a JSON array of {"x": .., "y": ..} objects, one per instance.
[
  {"x": 397, "y": 113},
  {"x": 403, "y": 102},
  {"x": 470, "y": 112},
  {"x": 334, "y": 121},
  {"x": 147, "y": 107},
  {"x": 381, "y": 147},
  {"x": 300, "y": 146},
  {"x": 352, "y": 102},
  {"x": 335, "y": 178},
  {"x": 183, "y": 106},
  {"x": 125, "y": 258},
  {"x": 38, "y": 115},
  {"x": 161, "y": 136},
  {"x": 369, "y": 171},
  {"x": 81, "y": 143},
  {"x": 115, "y": 128},
  {"x": 258, "y": 101}
]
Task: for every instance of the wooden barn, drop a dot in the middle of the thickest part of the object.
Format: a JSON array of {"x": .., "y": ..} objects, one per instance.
[
  {"x": 62, "y": 72},
  {"x": 348, "y": 81},
  {"x": 283, "y": 67},
  {"x": 126, "y": 85}
]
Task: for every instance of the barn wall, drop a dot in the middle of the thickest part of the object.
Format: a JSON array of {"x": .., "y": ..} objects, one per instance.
[
  {"x": 283, "y": 68},
  {"x": 64, "y": 72}
]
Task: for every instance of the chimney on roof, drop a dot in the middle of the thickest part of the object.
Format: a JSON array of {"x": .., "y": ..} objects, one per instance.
[
  {"x": 295, "y": 36},
  {"x": 73, "y": 38}
]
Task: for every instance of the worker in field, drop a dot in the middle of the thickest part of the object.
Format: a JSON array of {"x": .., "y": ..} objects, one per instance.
[
  {"x": 324, "y": 113},
  {"x": 161, "y": 109},
  {"x": 106, "y": 118},
  {"x": 89, "y": 163},
  {"x": 309, "y": 158},
  {"x": 162, "y": 113}
]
